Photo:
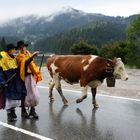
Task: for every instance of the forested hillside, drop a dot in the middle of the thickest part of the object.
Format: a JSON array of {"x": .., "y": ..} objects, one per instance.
[{"x": 97, "y": 33}]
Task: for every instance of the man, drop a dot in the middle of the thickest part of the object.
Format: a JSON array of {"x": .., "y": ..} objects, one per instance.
[
  {"x": 15, "y": 89},
  {"x": 30, "y": 74}
]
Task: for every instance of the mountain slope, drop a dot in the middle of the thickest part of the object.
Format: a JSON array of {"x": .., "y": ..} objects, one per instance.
[{"x": 35, "y": 27}]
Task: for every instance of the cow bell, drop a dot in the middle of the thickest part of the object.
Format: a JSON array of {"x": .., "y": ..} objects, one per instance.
[{"x": 110, "y": 81}]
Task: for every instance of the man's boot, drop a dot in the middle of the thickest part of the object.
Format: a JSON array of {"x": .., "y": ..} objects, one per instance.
[
  {"x": 13, "y": 113},
  {"x": 33, "y": 113},
  {"x": 10, "y": 116},
  {"x": 24, "y": 112}
]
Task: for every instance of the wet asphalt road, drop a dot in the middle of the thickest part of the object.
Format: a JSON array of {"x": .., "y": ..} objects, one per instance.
[{"x": 116, "y": 119}]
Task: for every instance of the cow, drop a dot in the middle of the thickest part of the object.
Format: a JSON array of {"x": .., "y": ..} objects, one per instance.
[{"x": 88, "y": 70}]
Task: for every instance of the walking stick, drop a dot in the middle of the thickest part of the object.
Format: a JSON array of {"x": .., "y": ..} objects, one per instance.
[
  {"x": 41, "y": 62},
  {"x": 10, "y": 78},
  {"x": 40, "y": 65},
  {"x": 1, "y": 89}
]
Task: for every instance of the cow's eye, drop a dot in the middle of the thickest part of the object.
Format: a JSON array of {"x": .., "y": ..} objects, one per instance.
[{"x": 120, "y": 68}]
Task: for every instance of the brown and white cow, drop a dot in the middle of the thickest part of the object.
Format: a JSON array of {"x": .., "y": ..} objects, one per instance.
[{"x": 88, "y": 70}]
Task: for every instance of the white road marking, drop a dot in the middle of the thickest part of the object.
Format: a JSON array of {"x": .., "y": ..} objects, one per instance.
[
  {"x": 118, "y": 97},
  {"x": 24, "y": 131}
]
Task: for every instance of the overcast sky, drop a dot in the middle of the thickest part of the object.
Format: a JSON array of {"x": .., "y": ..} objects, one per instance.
[{"x": 15, "y": 8}]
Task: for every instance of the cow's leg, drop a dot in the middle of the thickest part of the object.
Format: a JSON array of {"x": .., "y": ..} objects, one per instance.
[
  {"x": 51, "y": 86},
  {"x": 62, "y": 96},
  {"x": 93, "y": 91},
  {"x": 58, "y": 88},
  {"x": 84, "y": 94}
]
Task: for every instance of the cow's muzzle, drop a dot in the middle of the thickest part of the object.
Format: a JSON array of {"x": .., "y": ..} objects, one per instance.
[{"x": 126, "y": 79}]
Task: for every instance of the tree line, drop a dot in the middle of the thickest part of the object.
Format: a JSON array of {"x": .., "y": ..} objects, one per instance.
[
  {"x": 97, "y": 33},
  {"x": 128, "y": 49},
  {"x": 3, "y": 44}
]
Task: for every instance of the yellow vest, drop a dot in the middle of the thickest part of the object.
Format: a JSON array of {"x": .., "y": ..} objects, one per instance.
[{"x": 7, "y": 62}]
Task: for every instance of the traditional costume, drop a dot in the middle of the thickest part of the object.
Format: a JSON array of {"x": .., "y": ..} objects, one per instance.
[
  {"x": 30, "y": 74},
  {"x": 15, "y": 88}
]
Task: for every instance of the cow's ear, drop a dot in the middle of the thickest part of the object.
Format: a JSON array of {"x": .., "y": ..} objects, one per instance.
[{"x": 119, "y": 59}]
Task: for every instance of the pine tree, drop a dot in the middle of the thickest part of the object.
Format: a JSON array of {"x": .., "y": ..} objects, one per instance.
[{"x": 2, "y": 44}]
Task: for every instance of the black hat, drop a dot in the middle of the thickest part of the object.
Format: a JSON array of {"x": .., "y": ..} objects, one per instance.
[
  {"x": 21, "y": 43},
  {"x": 10, "y": 46}
]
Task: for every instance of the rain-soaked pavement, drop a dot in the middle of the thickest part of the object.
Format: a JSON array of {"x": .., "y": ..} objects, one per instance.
[{"x": 116, "y": 119}]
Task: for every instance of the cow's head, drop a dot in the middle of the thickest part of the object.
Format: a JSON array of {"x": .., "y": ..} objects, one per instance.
[{"x": 119, "y": 69}]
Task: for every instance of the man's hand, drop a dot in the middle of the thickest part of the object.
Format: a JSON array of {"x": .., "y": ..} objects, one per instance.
[{"x": 35, "y": 53}]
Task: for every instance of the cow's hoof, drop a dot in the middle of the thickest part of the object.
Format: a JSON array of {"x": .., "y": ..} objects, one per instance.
[
  {"x": 85, "y": 97},
  {"x": 65, "y": 102},
  {"x": 78, "y": 100},
  {"x": 96, "y": 106},
  {"x": 52, "y": 99}
]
